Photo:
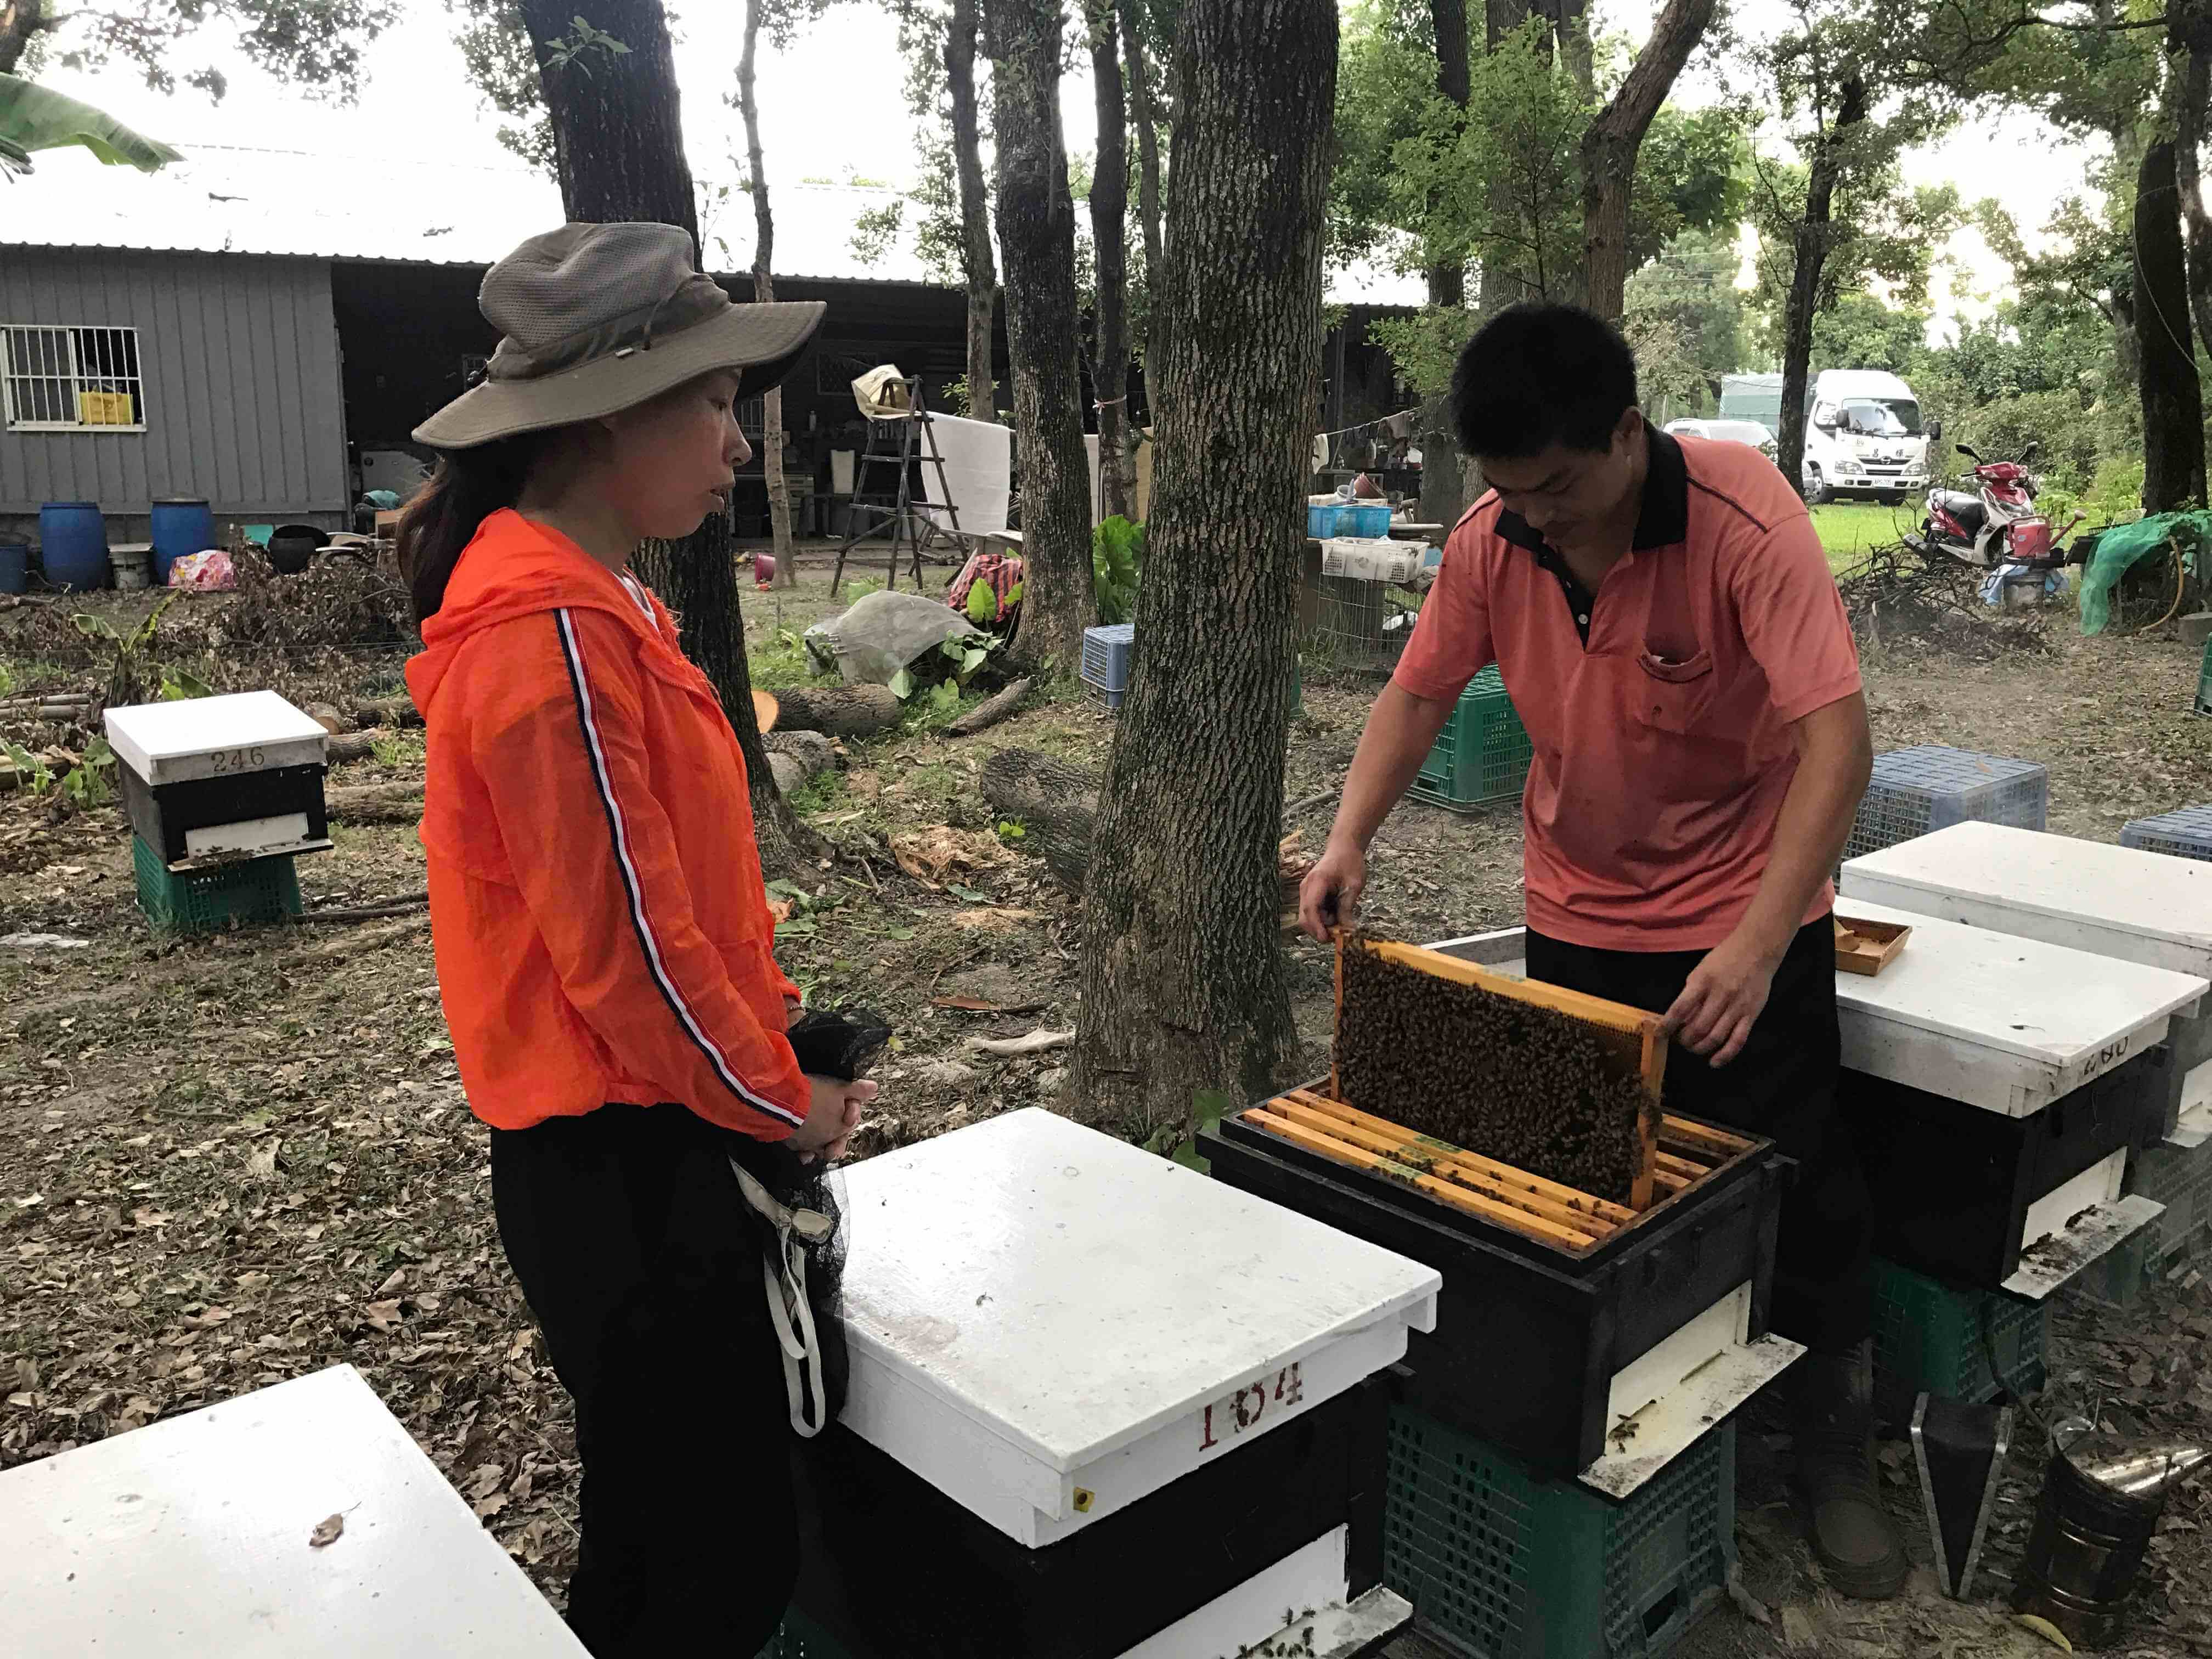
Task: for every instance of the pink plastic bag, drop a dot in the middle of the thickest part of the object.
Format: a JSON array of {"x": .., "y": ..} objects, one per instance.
[{"x": 203, "y": 572}]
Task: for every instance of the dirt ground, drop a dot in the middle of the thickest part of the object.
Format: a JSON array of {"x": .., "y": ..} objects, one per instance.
[{"x": 226, "y": 1161}]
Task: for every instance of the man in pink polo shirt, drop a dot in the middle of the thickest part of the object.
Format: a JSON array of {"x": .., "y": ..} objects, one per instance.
[{"x": 1665, "y": 621}]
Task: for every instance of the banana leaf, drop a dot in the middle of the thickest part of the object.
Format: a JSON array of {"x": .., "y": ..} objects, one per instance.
[{"x": 32, "y": 116}]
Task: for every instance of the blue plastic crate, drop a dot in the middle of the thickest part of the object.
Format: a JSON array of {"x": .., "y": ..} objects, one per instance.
[
  {"x": 1107, "y": 653},
  {"x": 1347, "y": 518},
  {"x": 2185, "y": 834},
  {"x": 211, "y": 901},
  {"x": 1502, "y": 1563},
  {"x": 1916, "y": 791}
]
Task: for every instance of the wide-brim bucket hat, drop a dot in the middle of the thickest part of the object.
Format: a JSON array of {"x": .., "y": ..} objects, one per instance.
[{"x": 597, "y": 318}]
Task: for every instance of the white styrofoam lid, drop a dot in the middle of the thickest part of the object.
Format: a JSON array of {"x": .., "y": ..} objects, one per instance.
[
  {"x": 191, "y": 1539},
  {"x": 1071, "y": 1293},
  {"x": 2153, "y": 895},
  {"x": 2002, "y": 992},
  {"x": 145, "y": 734}
]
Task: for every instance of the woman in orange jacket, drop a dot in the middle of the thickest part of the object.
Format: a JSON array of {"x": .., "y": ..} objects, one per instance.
[{"x": 603, "y": 942}]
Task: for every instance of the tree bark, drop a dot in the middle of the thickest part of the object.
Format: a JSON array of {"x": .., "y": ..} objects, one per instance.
[
  {"x": 1610, "y": 144},
  {"x": 1110, "y": 238},
  {"x": 992, "y": 709},
  {"x": 2173, "y": 402},
  {"x": 979, "y": 264},
  {"x": 2192, "y": 90},
  {"x": 1037, "y": 238},
  {"x": 1055, "y": 803},
  {"x": 1183, "y": 989},
  {"x": 1146, "y": 113},
  {"x": 1455, "y": 80},
  {"x": 1810, "y": 239},
  {"x": 778, "y": 490},
  {"x": 1571, "y": 28},
  {"x": 20, "y": 21},
  {"x": 619, "y": 145}
]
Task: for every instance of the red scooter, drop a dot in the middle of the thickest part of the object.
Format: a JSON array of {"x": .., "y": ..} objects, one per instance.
[{"x": 1998, "y": 524}]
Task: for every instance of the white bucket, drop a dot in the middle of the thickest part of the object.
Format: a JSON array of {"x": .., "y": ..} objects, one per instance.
[{"x": 133, "y": 564}]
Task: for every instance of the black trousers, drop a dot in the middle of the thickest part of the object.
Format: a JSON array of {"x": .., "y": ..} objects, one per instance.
[
  {"x": 635, "y": 1250},
  {"x": 1782, "y": 1086}
]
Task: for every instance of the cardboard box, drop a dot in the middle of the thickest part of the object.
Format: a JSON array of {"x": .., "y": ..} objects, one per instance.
[{"x": 387, "y": 523}]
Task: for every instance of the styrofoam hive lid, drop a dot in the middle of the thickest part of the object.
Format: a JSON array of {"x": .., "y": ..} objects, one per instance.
[
  {"x": 2110, "y": 901},
  {"x": 1061, "y": 1300},
  {"x": 1997, "y": 1020},
  {"x": 214, "y": 737}
]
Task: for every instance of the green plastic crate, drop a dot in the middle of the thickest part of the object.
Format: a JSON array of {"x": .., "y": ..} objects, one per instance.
[
  {"x": 801, "y": 1638},
  {"x": 1482, "y": 754},
  {"x": 1937, "y": 1338},
  {"x": 2179, "y": 1177},
  {"x": 211, "y": 900},
  {"x": 1503, "y": 1563}
]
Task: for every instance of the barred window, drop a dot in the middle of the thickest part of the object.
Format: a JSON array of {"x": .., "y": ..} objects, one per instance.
[
  {"x": 752, "y": 416},
  {"x": 71, "y": 379}
]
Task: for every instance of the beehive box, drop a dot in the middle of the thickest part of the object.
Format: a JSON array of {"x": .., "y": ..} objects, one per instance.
[
  {"x": 210, "y": 778},
  {"x": 2125, "y": 903},
  {"x": 1611, "y": 1309}
]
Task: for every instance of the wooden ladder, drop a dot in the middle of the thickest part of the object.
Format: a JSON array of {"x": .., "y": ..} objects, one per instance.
[{"x": 916, "y": 439}]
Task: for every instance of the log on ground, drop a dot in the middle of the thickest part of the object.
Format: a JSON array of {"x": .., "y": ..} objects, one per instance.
[
  {"x": 1056, "y": 803},
  {"x": 386, "y": 711},
  {"x": 375, "y": 803},
  {"x": 841, "y": 710},
  {"x": 991, "y": 711}
]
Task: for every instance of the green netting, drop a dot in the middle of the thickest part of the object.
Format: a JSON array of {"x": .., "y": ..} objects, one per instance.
[{"x": 2122, "y": 545}]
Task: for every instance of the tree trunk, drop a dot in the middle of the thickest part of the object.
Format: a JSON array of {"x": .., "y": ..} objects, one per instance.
[
  {"x": 1037, "y": 238},
  {"x": 2192, "y": 90},
  {"x": 1810, "y": 252},
  {"x": 1055, "y": 803},
  {"x": 779, "y": 491},
  {"x": 841, "y": 710},
  {"x": 1571, "y": 29},
  {"x": 1447, "y": 283},
  {"x": 2172, "y": 404},
  {"x": 20, "y": 21},
  {"x": 978, "y": 264},
  {"x": 618, "y": 144},
  {"x": 1183, "y": 989},
  {"x": 1610, "y": 145},
  {"x": 1146, "y": 114},
  {"x": 1110, "y": 238}
]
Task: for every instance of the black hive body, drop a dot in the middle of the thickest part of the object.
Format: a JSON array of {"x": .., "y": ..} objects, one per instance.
[{"x": 1507, "y": 1080}]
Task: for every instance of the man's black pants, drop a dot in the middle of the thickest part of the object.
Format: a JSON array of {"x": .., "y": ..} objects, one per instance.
[
  {"x": 638, "y": 1255},
  {"x": 1782, "y": 1086}
]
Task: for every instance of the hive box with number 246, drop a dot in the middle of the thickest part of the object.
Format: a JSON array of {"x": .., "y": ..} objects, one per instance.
[{"x": 210, "y": 778}]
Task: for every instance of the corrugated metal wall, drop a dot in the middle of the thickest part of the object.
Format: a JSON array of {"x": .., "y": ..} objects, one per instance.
[{"x": 239, "y": 357}]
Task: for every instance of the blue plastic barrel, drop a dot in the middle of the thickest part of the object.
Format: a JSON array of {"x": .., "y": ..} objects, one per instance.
[
  {"x": 73, "y": 542},
  {"x": 15, "y": 567},
  {"x": 181, "y": 525}
]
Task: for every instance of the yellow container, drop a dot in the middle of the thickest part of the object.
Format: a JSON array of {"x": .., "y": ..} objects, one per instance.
[{"x": 105, "y": 409}]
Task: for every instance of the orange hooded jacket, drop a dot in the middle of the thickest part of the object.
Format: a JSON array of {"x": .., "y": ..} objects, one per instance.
[{"x": 596, "y": 903}]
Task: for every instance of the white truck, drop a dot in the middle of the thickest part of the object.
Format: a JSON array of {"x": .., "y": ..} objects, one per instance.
[{"x": 1863, "y": 434}]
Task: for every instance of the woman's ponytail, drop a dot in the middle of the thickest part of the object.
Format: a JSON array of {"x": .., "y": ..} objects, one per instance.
[{"x": 441, "y": 518}]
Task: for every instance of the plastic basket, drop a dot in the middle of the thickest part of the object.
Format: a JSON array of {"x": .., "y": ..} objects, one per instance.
[
  {"x": 2179, "y": 1177},
  {"x": 211, "y": 900},
  {"x": 1501, "y": 1562},
  {"x": 2185, "y": 834},
  {"x": 1107, "y": 652},
  {"x": 1935, "y": 1337},
  {"x": 1346, "y": 519},
  {"x": 1915, "y": 791},
  {"x": 1482, "y": 755}
]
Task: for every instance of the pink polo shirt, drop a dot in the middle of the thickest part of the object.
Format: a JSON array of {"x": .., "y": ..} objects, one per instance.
[{"x": 1662, "y": 741}]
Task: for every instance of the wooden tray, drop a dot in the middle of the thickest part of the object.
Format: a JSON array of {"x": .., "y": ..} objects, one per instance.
[
  {"x": 1633, "y": 1036},
  {"x": 1563, "y": 1216},
  {"x": 1866, "y": 946}
]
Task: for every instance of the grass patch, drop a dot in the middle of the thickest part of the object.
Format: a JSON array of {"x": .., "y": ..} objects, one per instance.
[
  {"x": 1848, "y": 529},
  {"x": 818, "y": 793},
  {"x": 783, "y": 660}
]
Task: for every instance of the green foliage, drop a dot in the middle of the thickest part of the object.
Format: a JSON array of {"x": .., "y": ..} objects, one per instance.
[
  {"x": 179, "y": 684},
  {"x": 1117, "y": 567},
  {"x": 1179, "y": 1140},
  {"x": 576, "y": 51},
  {"x": 131, "y": 673},
  {"x": 982, "y": 607},
  {"x": 31, "y": 772},
  {"x": 1685, "y": 318},
  {"x": 314, "y": 43},
  {"x": 7, "y": 681},
  {"x": 89, "y": 783}
]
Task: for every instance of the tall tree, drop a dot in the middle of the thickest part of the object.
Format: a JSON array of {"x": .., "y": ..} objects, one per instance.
[
  {"x": 1447, "y": 20},
  {"x": 1143, "y": 111},
  {"x": 2173, "y": 407},
  {"x": 978, "y": 266},
  {"x": 1610, "y": 144},
  {"x": 1037, "y": 240},
  {"x": 1840, "y": 113},
  {"x": 618, "y": 142},
  {"x": 778, "y": 490},
  {"x": 2189, "y": 84},
  {"x": 1109, "y": 242},
  {"x": 1183, "y": 989}
]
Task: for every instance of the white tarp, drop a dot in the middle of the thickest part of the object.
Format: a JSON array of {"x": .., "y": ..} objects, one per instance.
[{"x": 979, "y": 461}]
